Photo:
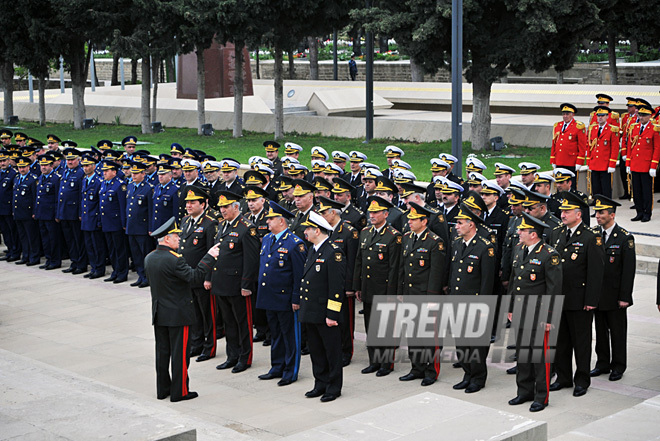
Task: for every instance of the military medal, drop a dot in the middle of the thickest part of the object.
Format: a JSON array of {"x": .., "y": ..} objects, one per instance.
[
  {"x": 281, "y": 262},
  {"x": 231, "y": 245},
  {"x": 380, "y": 256},
  {"x": 532, "y": 277},
  {"x": 195, "y": 241},
  {"x": 574, "y": 256},
  {"x": 469, "y": 269}
]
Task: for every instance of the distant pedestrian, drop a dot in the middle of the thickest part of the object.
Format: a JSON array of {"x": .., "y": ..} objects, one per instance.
[{"x": 352, "y": 68}]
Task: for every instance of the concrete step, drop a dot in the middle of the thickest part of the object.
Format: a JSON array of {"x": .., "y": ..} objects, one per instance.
[{"x": 647, "y": 265}]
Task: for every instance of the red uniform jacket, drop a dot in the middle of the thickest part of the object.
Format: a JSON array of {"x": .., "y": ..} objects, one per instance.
[
  {"x": 613, "y": 119},
  {"x": 626, "y": 124},
  {"x": 644, "y": 151},
  {"x": 603, "y": 150},
  {"x": 568, "y": 148}
]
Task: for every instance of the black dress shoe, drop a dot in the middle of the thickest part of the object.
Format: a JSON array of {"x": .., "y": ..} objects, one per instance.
[
  {"x": 624, "y": 197},
  {"x": 13, "y": 259},
  {"x": 68, "y": 270},
  {"x": 240, "y": 367},
  {"x": 472, "y": 388},
  {"x": 3, "y": 258},
  {"x": 615, "y": 376},
  {"x": 269, "y": 376},
  {"x": 512, "y": 370},
  {"x": 462, "y": 385},
  {"x": 383, "y": 372},
  {"x": 96, "y": 276},
  {"x": 136, "y": 283},
  {"x": 190, "y": 396},
  {"x": 598, "y": 371},
  {"x": 579, "y": 391},
  {"x": 646, "y": 218},
  {"x": 227, "y": 364},
  {"x": 346, "y": 360},
  {"x": 144, "y": 284},
  {"x": 370, "y": 369},
  {"x": 639, "y": 217},
  {"x": 110, "y": 279},
  {"x": 314, "y": 393},
  {"x": 77, "y": 271},
  {"x": 52, "y": 267},
  {"x": 259, "y": 337},
  {"x": 329, "y": 397},
  {"x": 537, "y": 407},
  {"x": 44, "y": 266},
  {"x": 88, "y": 275},
  {"x": 35, "y": 263},
  {"x": 409, "y": 377},
  {"x": 558, "y": 386},
  {"x": 122, "y": 280},
  {"x": 163, "y": 396},
  {"x": 304, "y": 351},
  {"x": 203, "y": 357},
  {"x": 284, "y": 382},
  {"x": 21, "y": 262},
  {"x": 456, "y": 365},
  {"x": 428, "y": 381},
  {"x": 266, "y": 342},
  {"x": 518, "y": 400}
]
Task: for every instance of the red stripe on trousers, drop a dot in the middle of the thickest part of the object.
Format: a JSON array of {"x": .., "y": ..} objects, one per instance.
[
  {"x": 436, "y": 362},
  {"x": 248, "y": 302},
  {"x": 184, "y": 364}
]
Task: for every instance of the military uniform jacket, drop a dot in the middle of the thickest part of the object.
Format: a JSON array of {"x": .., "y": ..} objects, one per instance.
[
  {"x": 511, "y": 239},
  {"x": 7, "y": 178},
  {"x": 345, "y": 237},
  {"x": 197, "y": 237},
  {"x": 396, "y": 218},
  {"x": 68, "y": 204},
  {"x": 238, "y": 261},
  {"x": 583, "y": 265},
  {"x": 612, "y": 118},
  {"x": 377, "y": 262},
  {"x": 472, "y": 268},
  {"x": 113, "y": 205},
  {"x": 170, "y": 279},
  {"x": 568, "y": 147},
  {"x": 165, "y": 204},
  {"x": 90, "y": 206},
  {"x": 423, "y": 265},
  {"x": 236, "y": 186},
  {"x": 260, "y": 222},
  {"x": 181, "y": 196},
  {"x": 277, "y": 166},
  {"x": 620, "y": 264},
  {"x": 322, "y": 285},
  {"x": 603, "y": 150},
  {"x": 297, "y": 228},
  {"x": 436, "y": 223},
  {"x": 644, "y": 151},
  {"x": 556, "y": 200},
  {"x": 139, "y": 208},
  {"x": 354, "y": 216},
  {"x": 35, "y": 168},
  {"x": 281, "y": 265},
  {"x": 47, "y": 189},
  {"x": 552, "y": 223},
  {"x": 498, "y": 221},
  {"x": 450, "y": 216},
  {"x": 152, "y": 179},
  {"x": 25, "y": 196},
  {"x": 626, "y": 122}
]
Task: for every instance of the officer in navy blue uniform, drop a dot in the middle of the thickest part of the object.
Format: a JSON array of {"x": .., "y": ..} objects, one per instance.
[
  {"x": 129, "y": 144},
  {"x": 68, "y": 210},
  {"x": 166, "y": 200},
  {"x": 7, "y": 224},
  {"x": 58, "y": 165},
  {"x": 112, "y": 195},
  {"x": 44, "y": 213},
  {"x": 24, "y": 200},
  {"x": 30, "y": 153},
  {"x": 151, "y": 174},
  {"x": 90, "y": 218},
  {"x": 281, "y": 263},
  {"x": 138, "y": 213}
]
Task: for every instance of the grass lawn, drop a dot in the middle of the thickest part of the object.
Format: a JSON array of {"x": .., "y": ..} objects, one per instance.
[{"x": 221, "y": 145}]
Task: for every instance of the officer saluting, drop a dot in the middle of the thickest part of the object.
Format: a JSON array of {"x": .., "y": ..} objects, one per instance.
[{"x": 172, "y": 309}]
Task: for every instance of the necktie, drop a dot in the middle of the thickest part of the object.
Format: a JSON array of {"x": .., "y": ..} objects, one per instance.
[
  {"x": 525, "y": 253},
  {"x": 464, "y": 247},
  {"x": 600, "y": 130},
  {"x": 564, "y": 128},
  {"x": 641, "y": 129},
  {"x": 414, "y": 239},
  {"x": 568, "y": 235},
  {"x": 604, "y": 236}
]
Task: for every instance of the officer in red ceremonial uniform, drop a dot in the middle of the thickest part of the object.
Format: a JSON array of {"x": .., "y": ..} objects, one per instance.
[
  {"x": 604, "y": 100},
  {"x": 642, "y": 161},
  {"x": 569, "y": 140},
  {"x": 603, "y": 141},
  {"x": 627, "y": 120}
]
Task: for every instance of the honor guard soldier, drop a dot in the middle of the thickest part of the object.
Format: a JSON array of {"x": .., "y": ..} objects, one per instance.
[
  {"x": 44, "y": 213},
  {"x": 272, "y": 153},
  {"x": 281, "y": 263},
  {"x": 139, "y": 211},
  {"x": 627, "y": 120},
  {"x": 321, "y": 297},
  {"x": 198, "y": 232},
  {"x": 342, "y": 191},
  {"x": 172, "y": 310},
  {"x": 165, "y": 200},
  {"x": 471, "y": 272},
  {"x": 190, "y": 169},
  {"x": 304, "y": 196},
  {"x": 90, "y": 219},
  {"x": 377, "y": 273},
  {"x": 112, "y": 195},
  {"x": 422, "y": 273},
  {"x": 642, "y": 162},
  {"x": 616, "y": 295},
  {"x": 536, "y": 272},
  {"x": 603, "y": 100},
  {"x": 603, "y": 151},
  {"x": 129, "y": 143},
  {"x": 583, "y": 267},
  {"x": 68, "y": 210},
  {"x": 569, "y": 140},
  {"x": 7, "y": 223},
  {"x": 24, "y": 202},
  {"x": 233, "y": 280}
]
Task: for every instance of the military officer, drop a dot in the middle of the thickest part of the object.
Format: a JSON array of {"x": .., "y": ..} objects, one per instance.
[
  {"x": 616, "y": 295},
  {"x": 68, "y": 210},
  {"x": 602, "y": 151},
  {"x": 511, "y": 238},
  {"x": 342, "y": 190},
  {"x": 272, "y": 153},
  {"x": 451, "y": 196},
  {"x": 543, "y": 185},
  {"x": 139, "y": 210},
  {"x": 536, "y": 272},
  {"x": 583, "y": 266},
  {"x": 90, "y": 218},
  {"x": 436, "y": 220},
  {"x": 303, "y": 194},
  {"x": 5, "y": 137},
  {"x": 368, "y": 188},
  {"x": 172, "y": 309},
  {"x": 233, "y": 280},
  {"x": 320, "y": 303},
  {"x": 7, "y": 223},
  {"x": 354, "y": 176},
  {"x": 229, "y": 168},
  {"x": 24, "y": 201},
  {"x": 536, "y": 205},
  {"x": 569, "y": 140},
  {"x": 528, "y": 172},
  {"x": 190, "y": 169},
  {"x": 386, "y": 189},
  {"x": 438, "y": 168},
  {"x": 177, "y": 172},
  {"x": 211, "y": 170},
  {"x": 165, "y": 200},
  {"x": 392, "y": 153},
  {"x": 44, "y": 213},
  {"x": 340, "y": 159},
  {"x": 129, "y": 143},
  {"x": 564, "y": 183},
  {"x": 112, "y": 196},
  {"x": 604, "y": 100},
  {"x": 281, "y": 263},
  {"x": 285, "y": 188},
  {"x": 422, "y": 272},
  {"x": 471, "y": 272}
]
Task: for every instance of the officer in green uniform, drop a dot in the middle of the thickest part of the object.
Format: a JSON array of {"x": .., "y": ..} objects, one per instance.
[
  {"x": 536, "y": 205},
  {"x": 511, "y": 238},
  {"x": 342, "y": 190}
]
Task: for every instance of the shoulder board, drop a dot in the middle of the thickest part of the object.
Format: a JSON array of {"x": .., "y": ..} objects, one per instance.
[
  {"x": 656, "y": 127},
  {"x": 579, "y": 125},
  {"x": 557, "y": 123},
  {"x": 614, "y": 115},
  {"x": 206, "y": 216},
  {"x": 245, "y": 222},
  {"x": 433, "y": 210},
  {"x": 177, "y": 255},
  {"x": 334, "y": 246},
  {"x": 408, "y": 233},
  {"x": 434, "y": 236},
  {"x": 592, "y": 113},
  {"x": 295, "y": 238},
  {"x": 349, "y": 227},
  {"x": 390, "y": 229},
  {"x": 635, "y": 124},
  {"x": 614, "y": 129},
  {"x": 593, "y": 125},
  {"x": 558, "y": 227},
  {"x": 624, "y": 231},
  {"x": 485, "y": 241}
]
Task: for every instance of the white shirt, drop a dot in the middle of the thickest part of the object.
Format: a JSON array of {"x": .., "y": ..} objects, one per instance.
[{"x": 317, "y": 246}]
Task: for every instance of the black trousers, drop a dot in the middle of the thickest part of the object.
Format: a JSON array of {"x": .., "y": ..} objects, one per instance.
[
  {"x": 473, "y": 363},
  {"x": 611, "y": 329},
  {"x": 642, "y": 192},
  {"x": 172, "y": 348},
  {"x": 574, "y": 337},
  {"x": 203, "y": 332},
  {"x": 141, "y": 245},
  {"x": 533, "y": 379},
  {"x": 10, "y": 236},
  {"x": 347, "y": 326},
  {"x": 237, "y": 317},
  {"x": 324, "y": 344},
  {"x": 96, "y": 250},
  {"x": 50, "y": 239},
  {"x": 601, "y": 183},
  {"x": 75, "y": 244},
  {"x": 386, "y": 353},
  {"x": 116, "y": 243},
  {"x": 28, "y": 234},
  {"x": 624, "y": 177}
]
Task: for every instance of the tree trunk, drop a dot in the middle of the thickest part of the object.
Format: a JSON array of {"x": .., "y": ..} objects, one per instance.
[
  {"x": 292, "y": 66},
  {"x": 560, "y": 77},
  {"x": 279, "y": 94},
  {"x": 171, "y": 70},
  {"x": 144, "y": 108},
  {"x": 357, "y": 44},
  {"x": 416, "y": 71},
  {"x": 114, "y": 79},
  {"x": 155, "y": 64},
  {"x": 480, "y": 113},
  {"x": 313, "y": 58},
  {"x": 611, "y": 55},
  {"x": 383, "y": 46},
  {"x": 42, "y": 100},
  {"x": 201, "y": 90},
  {"x": 134, "y": 66},
  {"x": 238, "y": 89},
  {"x": 78, "y": 80},
  {"x": 257, "y": 64},
  {"x": 634, "y": 46},
  {"x": 7, "y": 78}
]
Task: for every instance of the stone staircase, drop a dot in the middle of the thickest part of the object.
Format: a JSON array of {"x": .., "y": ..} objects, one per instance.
[{"x": 299, "y": 111}]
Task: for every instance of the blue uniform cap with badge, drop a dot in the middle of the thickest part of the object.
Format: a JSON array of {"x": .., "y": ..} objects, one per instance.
[
  {"x": 129, "y": 141},
  {"x": 275, "y": 210}
]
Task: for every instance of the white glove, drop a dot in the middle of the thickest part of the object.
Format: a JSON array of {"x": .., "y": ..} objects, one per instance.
[
  {"x": 652, "y": 172},
  {"x": 624, "y": 158},
  {"x": 611, "y": 170},
  {"x": 584, "y": 168},
  {"x": 628, "y": 170},
  {"x": 554, "y": 166}
]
